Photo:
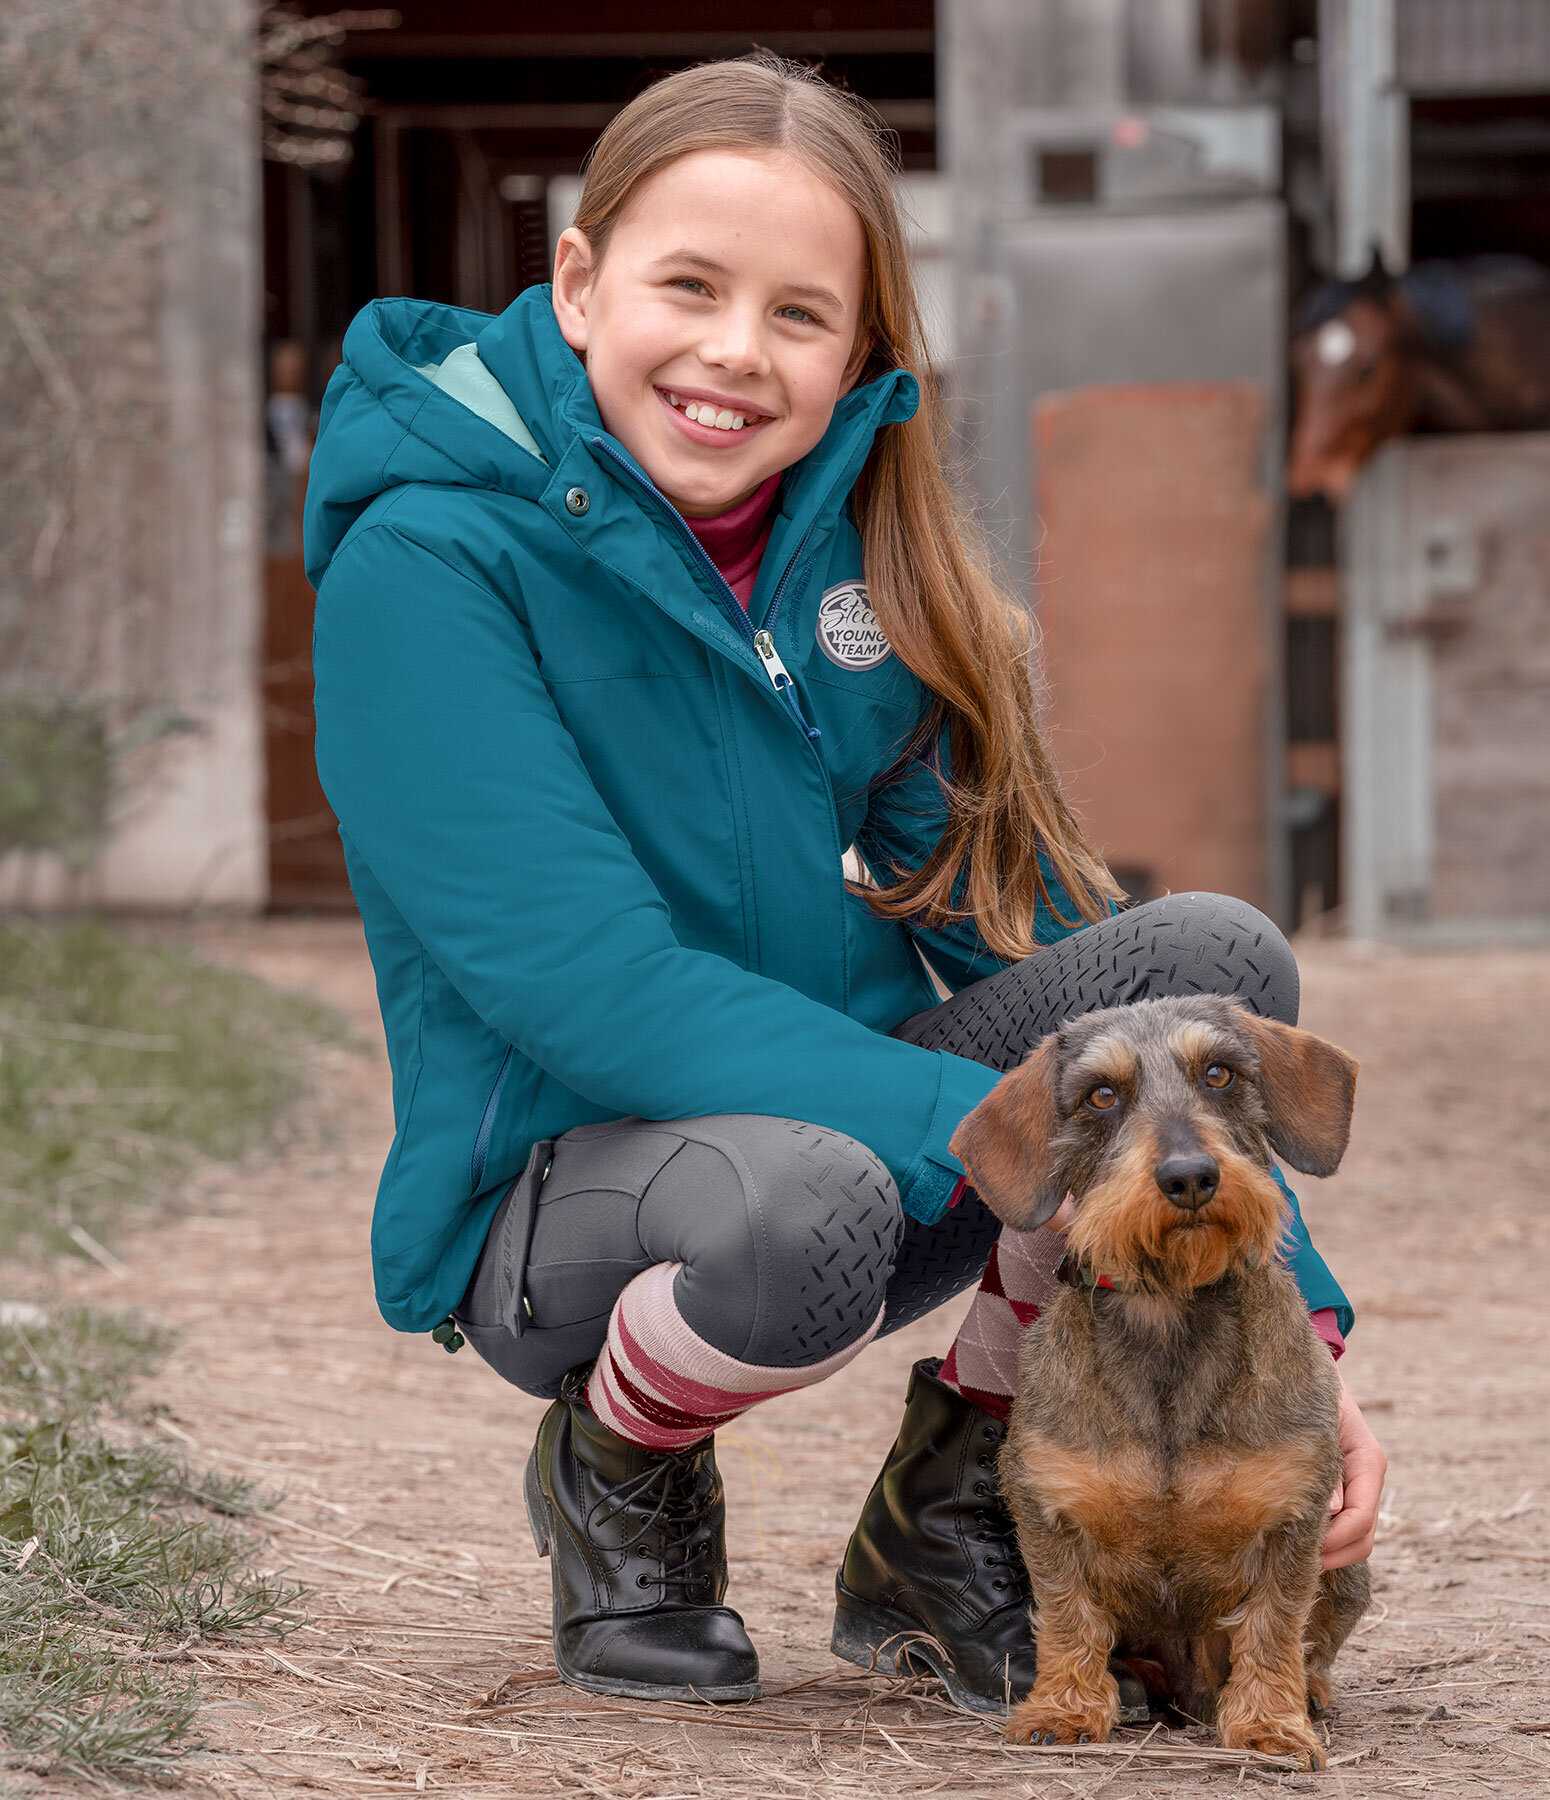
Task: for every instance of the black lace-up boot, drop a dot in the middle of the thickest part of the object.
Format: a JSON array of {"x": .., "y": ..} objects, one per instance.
[
  {"x": 932, "y": 1580},
  {"x": 638, "y": 1544}
]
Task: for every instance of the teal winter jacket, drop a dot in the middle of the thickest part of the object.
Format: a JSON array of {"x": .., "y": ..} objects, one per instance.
[{"x": 594, "y": 828}]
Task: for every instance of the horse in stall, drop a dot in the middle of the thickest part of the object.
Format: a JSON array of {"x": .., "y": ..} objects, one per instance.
[{"x": 1448, "y": 346}]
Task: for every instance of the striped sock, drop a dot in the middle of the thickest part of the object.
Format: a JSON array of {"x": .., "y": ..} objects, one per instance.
[
  {"x": 1018, "y": 1280},
  {"x": 659, "y": 1384}
]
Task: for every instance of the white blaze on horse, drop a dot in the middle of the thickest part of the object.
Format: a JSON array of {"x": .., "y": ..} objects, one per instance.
[{"x": 1448, "y": 346}]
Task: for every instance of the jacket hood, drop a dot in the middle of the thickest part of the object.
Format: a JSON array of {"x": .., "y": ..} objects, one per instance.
[{"x": 384, "y": 423}]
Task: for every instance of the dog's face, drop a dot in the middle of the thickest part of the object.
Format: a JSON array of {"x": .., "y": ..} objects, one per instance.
[{"x": 1159, "y": 1120}]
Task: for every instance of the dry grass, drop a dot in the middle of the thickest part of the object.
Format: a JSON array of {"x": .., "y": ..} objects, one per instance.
[
  {"x": 366, "y": 1699},
  {"x": 425, "y": 1666}
]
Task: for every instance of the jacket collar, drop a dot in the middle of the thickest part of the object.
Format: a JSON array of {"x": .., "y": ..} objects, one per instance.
[
  {"x": 385, "y": 346},
  {"x": 524, "y": 351}
]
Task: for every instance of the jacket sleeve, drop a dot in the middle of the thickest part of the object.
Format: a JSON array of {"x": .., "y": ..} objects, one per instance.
[
  {"x": 1309, "y": 1270},
  {"x": 903, "y": 824},
  {"x": 451, "y": 772}
]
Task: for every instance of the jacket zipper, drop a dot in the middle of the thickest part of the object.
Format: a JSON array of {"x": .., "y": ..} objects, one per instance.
[
  {"x": 760, "y": 642},
  {"x": 487, "y": 1125}
]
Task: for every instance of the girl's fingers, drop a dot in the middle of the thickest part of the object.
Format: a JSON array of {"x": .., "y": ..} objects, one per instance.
[
  {"x": 1348, "y": 1540},
  {"x": 1063, "y": 1218},
  {"x": 1352, "y": 1530}
]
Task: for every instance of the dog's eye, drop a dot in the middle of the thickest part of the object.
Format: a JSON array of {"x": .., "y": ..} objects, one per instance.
[
  {"x": 1102, "y": 1098},
  {"x": 1218, "y": 1075}
]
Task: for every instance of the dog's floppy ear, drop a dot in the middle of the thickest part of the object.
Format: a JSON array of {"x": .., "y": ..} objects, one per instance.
[
  {"x": 1004, "y": 1144},
  {"x": 1309, "y": 1087}
]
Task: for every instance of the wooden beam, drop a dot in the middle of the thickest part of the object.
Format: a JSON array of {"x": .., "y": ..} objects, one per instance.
[
  {"x": 1312, "y": 593},
  {"x": 903, "y": 115},
  {"x": 374, "y": 45}
]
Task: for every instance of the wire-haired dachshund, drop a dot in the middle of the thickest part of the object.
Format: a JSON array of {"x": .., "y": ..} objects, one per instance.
[{"x": 1174, "y": 1442}]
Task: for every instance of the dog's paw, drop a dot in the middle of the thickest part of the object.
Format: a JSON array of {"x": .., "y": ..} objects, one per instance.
[
  {"x": 1038, "y": 1721},
  {"x": 1293, "y": 1738},
  {"x": 1320, "y": 1695}
]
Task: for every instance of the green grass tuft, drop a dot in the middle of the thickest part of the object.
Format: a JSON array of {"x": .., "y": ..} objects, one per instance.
[
  {"x": 124, "y": 1062},
  {"x": 111, "y": 1549}
]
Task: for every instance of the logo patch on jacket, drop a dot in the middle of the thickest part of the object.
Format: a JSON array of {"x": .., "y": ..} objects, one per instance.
[{"x": 848, "y": 631}]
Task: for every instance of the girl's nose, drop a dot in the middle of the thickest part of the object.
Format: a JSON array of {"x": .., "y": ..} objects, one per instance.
[{"x": 735, "y": 342}]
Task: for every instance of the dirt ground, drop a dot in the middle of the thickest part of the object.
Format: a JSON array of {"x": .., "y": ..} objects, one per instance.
[{"x": 426, "y": 1665}]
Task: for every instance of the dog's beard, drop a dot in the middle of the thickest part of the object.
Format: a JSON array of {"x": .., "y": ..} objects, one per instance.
[{"x": 1125, "y": 1229}]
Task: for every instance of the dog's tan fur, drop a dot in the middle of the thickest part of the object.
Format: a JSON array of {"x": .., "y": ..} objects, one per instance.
[{"x": 1174, "y": 1442}]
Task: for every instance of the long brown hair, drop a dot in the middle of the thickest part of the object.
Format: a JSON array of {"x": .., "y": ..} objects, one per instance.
[{"x": 927, "y": 570}]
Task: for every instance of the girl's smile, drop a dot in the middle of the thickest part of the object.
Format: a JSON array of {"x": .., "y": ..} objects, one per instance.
[
  {"x": 711, "y": 418},
  {"x": 716, "y": 351},
  {"x": 715, "y": 414}
]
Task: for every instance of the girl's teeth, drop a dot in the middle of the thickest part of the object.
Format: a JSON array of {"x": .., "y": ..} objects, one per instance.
[{"x": 724, "y": 420}]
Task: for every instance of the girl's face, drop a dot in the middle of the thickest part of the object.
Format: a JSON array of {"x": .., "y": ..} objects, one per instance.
[{"x": 721, "y": 327}]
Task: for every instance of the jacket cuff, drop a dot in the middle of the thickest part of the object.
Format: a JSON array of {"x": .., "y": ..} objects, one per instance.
[
  {"x": 930, "y": 1180},
  {"x": 1326, "y": 1327}
]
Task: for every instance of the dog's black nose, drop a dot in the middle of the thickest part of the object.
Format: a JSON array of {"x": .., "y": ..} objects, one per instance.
[{"x": 1188, "y": 1181}]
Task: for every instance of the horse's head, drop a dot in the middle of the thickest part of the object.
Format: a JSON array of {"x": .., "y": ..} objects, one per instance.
[{"x": 1354, "y": 380}]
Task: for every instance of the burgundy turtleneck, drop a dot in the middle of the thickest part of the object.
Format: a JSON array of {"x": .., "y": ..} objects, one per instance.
[{"x": 734, "y": 540}]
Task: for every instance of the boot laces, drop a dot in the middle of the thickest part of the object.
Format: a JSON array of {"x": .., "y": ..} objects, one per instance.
[
  {"x": 997, "y": 1530},
  {"x": 667, "y": 1496}
]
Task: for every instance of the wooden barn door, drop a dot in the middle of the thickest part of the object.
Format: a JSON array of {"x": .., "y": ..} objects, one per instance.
[
  {"x": 1151, "y": 574},
  {"x": 306, "y": 862},
  {"x": 1142, "y": 357}
]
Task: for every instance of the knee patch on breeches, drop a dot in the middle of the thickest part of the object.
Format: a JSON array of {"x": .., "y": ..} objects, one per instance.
[
  {"x": 787, "y": 1232},
  {"x": 1180, "y": 944}
]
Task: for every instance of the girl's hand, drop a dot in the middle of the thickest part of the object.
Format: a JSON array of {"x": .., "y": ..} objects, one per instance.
[{"x": 1353, "y": 1506}]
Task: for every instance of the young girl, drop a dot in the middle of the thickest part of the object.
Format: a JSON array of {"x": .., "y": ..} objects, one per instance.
[{"x": 638, "y": 606}]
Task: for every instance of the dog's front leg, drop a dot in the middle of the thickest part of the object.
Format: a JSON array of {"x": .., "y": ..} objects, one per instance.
[
  {"x": 1264, "y": 1705},
  {"x": 1344, "y": 1595},
  {"x": 1074, "y": 1698}
]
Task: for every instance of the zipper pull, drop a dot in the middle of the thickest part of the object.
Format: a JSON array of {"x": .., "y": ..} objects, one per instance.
[
  {"x": 773, "y": 666},
  {"x": 780, "y": 679}
]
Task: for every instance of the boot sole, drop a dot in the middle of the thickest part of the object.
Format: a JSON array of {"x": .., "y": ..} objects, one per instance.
[
  {"x": 538, "y": 1521},
  {"x": 537, "y": 1507},
  {"x": 876, "y": 1637}
]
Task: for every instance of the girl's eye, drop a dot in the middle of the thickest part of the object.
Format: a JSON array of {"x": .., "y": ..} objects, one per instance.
[
  {"x": 799, "y": 314},
  {"x": 691, "y": 284},
  {"x": 1219, "y": 1076},
  {"x": 1102, "y": 1098}
]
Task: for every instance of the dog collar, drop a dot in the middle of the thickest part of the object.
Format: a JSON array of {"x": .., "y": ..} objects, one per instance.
[{"x": 1081, "y": 1275}]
